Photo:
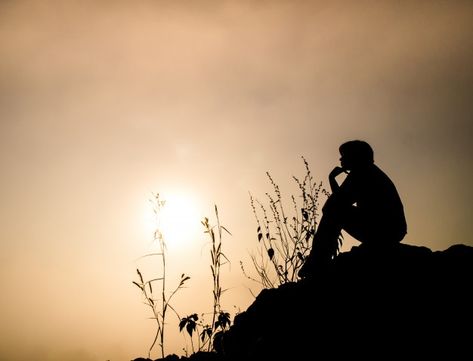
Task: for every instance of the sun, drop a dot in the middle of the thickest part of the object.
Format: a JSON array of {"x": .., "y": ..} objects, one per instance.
[{"x": 178, "y": 219}]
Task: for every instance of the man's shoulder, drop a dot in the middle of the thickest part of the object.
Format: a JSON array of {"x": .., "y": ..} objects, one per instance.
[
  {"x": 378, "y": 172},
  {"x": 371, "y": 177}
]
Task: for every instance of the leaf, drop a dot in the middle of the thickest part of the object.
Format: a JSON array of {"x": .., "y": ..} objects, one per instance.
[
  {"x": 307, "y": 236},
  {"x": 206, "y": 332},
  {"x": 151, "y": 255},
  {"x": 138, "y": 285},
  {"x": 260, "y": 236},
  {"x": 226, "y": 230},
  {"x": 139, "y": 274},
  {"x": 271, "y": 253},
  {"x": 190, "y": 327},
  {"x": 305, "y": 215},
  {"x": 223, "y": 319},
  {"x": 183, "y": 323}
]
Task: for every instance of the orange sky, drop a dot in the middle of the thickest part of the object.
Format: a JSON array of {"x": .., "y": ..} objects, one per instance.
[{"x": 104, "y": 102}]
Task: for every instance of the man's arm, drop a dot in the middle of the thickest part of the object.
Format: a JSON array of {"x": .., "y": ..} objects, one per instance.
[{"x": 331, "y": 178}]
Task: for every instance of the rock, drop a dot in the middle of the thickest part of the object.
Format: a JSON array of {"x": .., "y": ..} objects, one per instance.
[
  {"x": 399, "y": 303},
  {"x": 405, "y": 301}
]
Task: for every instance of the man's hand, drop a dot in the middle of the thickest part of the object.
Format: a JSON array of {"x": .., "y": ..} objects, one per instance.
[
  {"x": 331, "y": 178},
  {"x": 335, "y": 172}
]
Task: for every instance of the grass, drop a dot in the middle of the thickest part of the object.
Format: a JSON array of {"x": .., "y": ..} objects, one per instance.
[
  {"x": 284, "y": 242},
  {"x": 219, "y": 318},
  {"x": 285, "y": 235},
  {"x": 158, "y": 301},
  {"x": 210, "y": 333}
]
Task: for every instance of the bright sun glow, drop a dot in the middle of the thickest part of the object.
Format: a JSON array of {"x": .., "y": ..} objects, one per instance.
[{"x": 178, "y": 220}]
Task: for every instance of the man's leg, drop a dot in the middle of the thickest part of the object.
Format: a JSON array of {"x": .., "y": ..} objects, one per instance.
[
  {"x": 325, "y": 242},
  {"x": 374, "y": 233},
  {"x": 358, "y": 226}
]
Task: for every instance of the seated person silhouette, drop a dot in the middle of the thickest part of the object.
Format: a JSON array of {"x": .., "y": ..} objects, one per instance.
[{"x": 366, "y": 205}]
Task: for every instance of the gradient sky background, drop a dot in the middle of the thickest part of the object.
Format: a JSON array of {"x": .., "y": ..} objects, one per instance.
[{"x": 103, "y": 103}]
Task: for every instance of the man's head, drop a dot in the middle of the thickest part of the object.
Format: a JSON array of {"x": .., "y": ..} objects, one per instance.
[{"x": 356, "y": 153}]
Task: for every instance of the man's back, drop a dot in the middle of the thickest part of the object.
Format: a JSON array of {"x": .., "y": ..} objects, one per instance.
[{"x": 376, "y": 197}]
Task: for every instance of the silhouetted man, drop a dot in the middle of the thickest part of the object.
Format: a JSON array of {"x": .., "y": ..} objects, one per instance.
[{"x": 366, "y": 205}]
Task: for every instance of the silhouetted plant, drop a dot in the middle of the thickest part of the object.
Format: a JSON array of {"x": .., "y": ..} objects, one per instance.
[
  {"x": 159, "y": 304},
  {"x": 285, "y": 239},
  {"x": 208, "y": 337},
  {"x": 190, "y": 324},
  {"x": 222, "y": 325},
  {"x": 220, "y": 319}
]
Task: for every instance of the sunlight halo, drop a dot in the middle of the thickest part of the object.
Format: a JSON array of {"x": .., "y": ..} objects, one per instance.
[{"x": 179, "y": 220}]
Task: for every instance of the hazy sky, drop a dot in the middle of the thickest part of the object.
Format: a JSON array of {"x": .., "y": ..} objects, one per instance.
[{"x": 103, "y": 103}]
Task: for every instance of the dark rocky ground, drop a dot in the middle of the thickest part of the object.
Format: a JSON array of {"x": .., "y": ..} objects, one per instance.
[{"x": 402, "y": 303}]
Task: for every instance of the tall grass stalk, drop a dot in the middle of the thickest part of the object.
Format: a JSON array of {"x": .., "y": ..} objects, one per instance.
[
  {"x": 160, "y": 304},
  {"x": 216, "y": 256},
  {"x": 220, "y": 319}
]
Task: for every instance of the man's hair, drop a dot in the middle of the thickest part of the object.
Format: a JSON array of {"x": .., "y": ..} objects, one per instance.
[{"x": 359, "y": 150}]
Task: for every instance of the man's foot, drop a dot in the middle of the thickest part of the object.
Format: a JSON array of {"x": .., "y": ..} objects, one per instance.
[
  {"x": 305, "y": 270},
  {"x": 313, "y": 266}
]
